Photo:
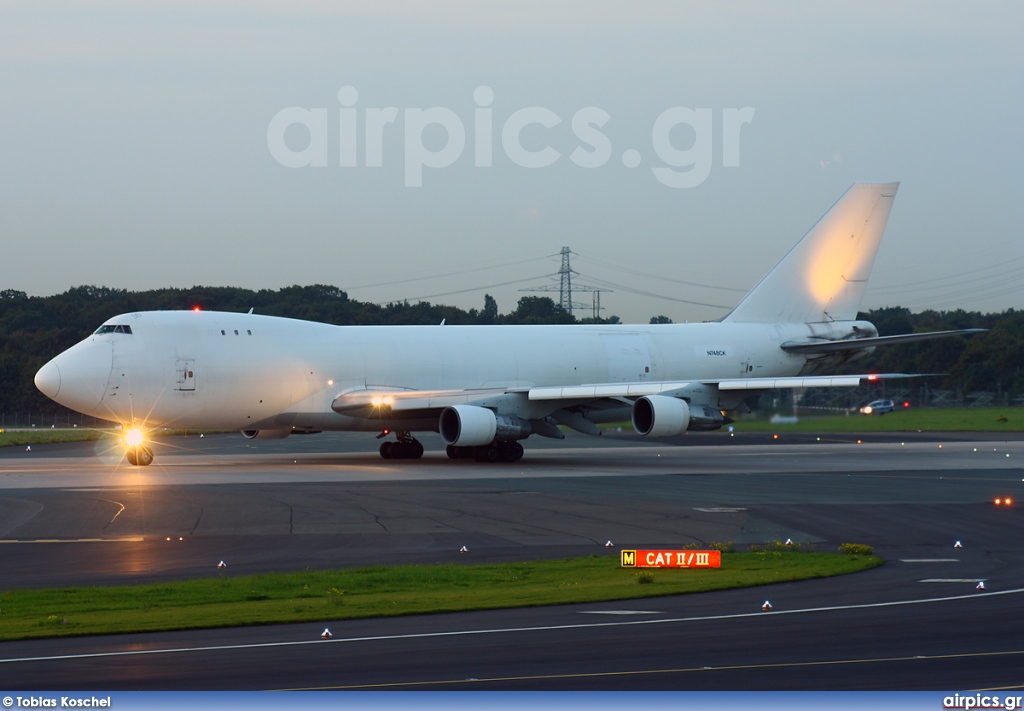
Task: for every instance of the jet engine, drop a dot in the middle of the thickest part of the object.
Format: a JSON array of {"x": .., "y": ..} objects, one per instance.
[
  {"x": 266, "y": 434},
  {"x": 705, "y": 419},
  {"x": 660, "y": 416},
  {"x": 472, "y": 426}
]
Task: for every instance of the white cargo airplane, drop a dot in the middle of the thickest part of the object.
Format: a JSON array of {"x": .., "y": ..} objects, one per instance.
[{"x": 484, "y": 388}]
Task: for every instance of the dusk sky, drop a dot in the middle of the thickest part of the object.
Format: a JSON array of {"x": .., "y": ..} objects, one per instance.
[{"x": 444, "y": 150}]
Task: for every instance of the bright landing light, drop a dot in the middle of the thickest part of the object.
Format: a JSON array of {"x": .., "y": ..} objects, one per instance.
[{"x": 133, "y": 438}]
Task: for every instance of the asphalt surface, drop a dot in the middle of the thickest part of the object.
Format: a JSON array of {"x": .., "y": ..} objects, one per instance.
[{"x": 75, "y": 514}]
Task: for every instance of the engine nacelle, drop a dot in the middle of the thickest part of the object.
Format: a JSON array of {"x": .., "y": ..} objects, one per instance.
[
  {"x": 266, "y": 434},
  {"x": 472, "y": 426},
  {"x": 467, "y": 425},
  {"x": 705, "y": 419},
  {"x": 660, "y": 415}
]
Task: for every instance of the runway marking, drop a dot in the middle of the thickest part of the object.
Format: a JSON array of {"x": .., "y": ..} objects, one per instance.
[
  {"x": 506, "y": 630},
  {"x": 681, "y": 670},
  {"x": 952, "y": 580},
  {"x": 929, "y": 560},
  {"x": 127, "y": 539},
  {"x": 620, "y": 612}
]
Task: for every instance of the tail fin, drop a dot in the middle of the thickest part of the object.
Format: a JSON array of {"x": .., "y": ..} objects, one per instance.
[{"x": 824, "y": 276}]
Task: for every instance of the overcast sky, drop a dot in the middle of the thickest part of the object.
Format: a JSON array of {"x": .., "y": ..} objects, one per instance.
[{"x": 147, "y": 145}]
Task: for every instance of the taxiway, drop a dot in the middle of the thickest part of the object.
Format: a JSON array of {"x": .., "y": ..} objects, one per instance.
[{"x": 76, "y": 514}]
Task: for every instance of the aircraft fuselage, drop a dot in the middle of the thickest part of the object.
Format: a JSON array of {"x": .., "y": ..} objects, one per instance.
[{"x": 215, "y": 370}]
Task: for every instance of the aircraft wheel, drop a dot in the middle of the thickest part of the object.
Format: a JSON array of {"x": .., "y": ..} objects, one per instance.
[
  {"x": 517, "y": 452},
  {"x": 386, "y": 450},
  {"x": 416, "y": 449},
  {"x": 453, "y": 452},
  {"x": 489, "y": 453},
  {"x": 139, "y": 456}
]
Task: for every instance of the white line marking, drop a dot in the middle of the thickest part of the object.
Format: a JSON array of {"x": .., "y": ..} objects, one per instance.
[
  {"x": 620, "y": 612},
  {"x": 929, "y": 560},
  {"x": 506, "y": 630},
  {"x": 952, "y": 580}
]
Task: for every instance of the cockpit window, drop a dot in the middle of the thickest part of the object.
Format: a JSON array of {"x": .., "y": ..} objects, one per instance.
[{"x": 111, "y": 328}]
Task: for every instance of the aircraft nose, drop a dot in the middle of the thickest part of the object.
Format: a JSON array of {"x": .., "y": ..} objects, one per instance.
[
  {"x": 48, "y": 380},
  {"x": 78, "y": 377}
]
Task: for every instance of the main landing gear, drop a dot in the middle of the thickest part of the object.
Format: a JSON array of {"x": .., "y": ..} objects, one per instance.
[
  {"x": 493, "y": 452},
  {"x": 139, "y": 456},
  {"x": 407, "y": 447}
]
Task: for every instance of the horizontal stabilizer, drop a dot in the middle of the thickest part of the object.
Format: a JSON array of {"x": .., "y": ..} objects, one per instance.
[
  {"x": 810, "y": 381},
  {"x": 856, "y": 344}
]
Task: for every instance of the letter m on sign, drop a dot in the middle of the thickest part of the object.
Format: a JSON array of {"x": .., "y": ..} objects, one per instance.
[{"x": 628, "y": 559}]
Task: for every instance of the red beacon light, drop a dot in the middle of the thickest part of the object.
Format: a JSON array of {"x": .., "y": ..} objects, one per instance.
[
  {"x": 906, "y": 404},
  {"x": 196, "y": 309}
]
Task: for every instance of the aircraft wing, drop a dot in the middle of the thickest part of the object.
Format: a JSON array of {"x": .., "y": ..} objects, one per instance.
[
  {"x": 368, "y": 402},
  {"x": 633, "y": 390},
  {"x": 364, "y": 402}
]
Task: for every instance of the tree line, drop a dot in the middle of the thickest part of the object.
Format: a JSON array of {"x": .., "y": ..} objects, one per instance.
[{"x": 33, "y": 329}]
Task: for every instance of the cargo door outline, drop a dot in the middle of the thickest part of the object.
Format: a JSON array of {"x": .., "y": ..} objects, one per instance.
[
  {"x": 628, "y": 357},
  {"x": 185, "y": 374}
]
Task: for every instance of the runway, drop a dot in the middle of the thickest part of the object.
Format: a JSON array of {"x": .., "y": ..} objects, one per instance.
[{"x": 74, "y": 514}]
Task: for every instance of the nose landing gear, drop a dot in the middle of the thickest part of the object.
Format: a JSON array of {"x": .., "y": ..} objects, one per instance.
[{"x": 139, "y": 456}]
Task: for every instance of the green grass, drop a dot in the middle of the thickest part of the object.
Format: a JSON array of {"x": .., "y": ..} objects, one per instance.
[
  {"x": 961, "y": 419},
  {"x": 22, "y": 437},
  {"x": 14, "y": 438},
  {"x": 307, "y": 596}
]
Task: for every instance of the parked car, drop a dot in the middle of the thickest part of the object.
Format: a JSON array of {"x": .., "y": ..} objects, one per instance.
[{"x": 878, "y": 407}]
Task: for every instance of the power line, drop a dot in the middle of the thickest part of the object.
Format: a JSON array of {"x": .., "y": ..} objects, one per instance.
[
  {"x": 653, "y": 295},
  {"x": 460, "y": 272},
  {"x": 636, "y": 272},
  {"x": 466, "y": 291},
  {"x": 945, "y": 282},
  {"x": 565, "y": 274}
]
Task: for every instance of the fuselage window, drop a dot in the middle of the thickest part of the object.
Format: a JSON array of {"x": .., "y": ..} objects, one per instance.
[
  {"x": 249, "y": 332},
  {"x": 223, "y": 332},
  {"x": 236, "y": 331}
]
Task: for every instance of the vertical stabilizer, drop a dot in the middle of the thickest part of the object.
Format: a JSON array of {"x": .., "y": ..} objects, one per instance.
[{"x": 824, "y": 276}]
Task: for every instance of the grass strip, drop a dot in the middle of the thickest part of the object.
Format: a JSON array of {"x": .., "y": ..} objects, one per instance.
[
  {"x": 960, "y": 419},
  {"x": 10, "y": 438},
  {"x": 306, "y": 596},
  {"x": 20, "y": 438}
]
